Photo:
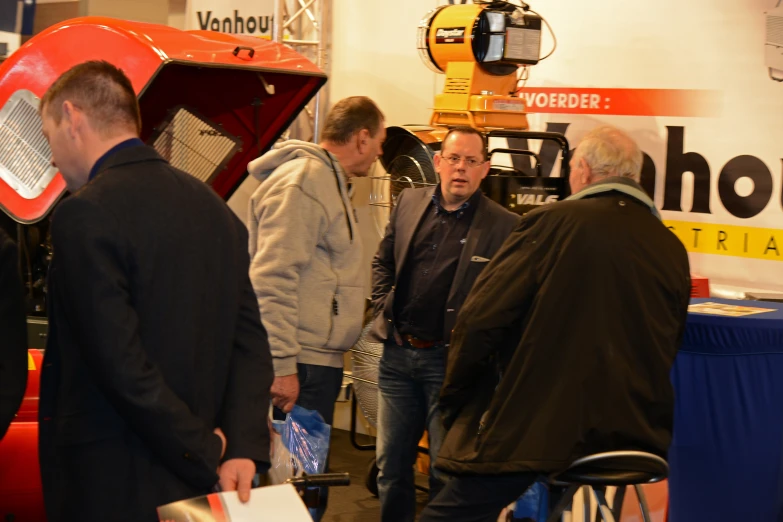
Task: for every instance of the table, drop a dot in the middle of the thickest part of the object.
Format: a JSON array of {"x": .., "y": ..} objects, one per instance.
[{"x": 726, "y": 456}]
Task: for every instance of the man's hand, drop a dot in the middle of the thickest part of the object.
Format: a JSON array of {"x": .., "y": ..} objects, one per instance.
[
  {"x": 397, "y": 338},
  {"x": 285, "y": 391},
  {"x": 237, "y": 475},
  {"x": 222, "y": 436}
]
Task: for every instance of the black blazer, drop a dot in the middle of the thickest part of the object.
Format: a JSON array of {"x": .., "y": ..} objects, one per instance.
[
  {"x": 13, "y": 334},
  {"x": 490, "y": 227},
  {"x": 155, "y": 339}
]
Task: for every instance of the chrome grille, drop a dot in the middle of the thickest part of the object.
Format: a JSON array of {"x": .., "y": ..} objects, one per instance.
[
  {"x": 193, "y": 144},
  {"x": 25, "y": 157}
]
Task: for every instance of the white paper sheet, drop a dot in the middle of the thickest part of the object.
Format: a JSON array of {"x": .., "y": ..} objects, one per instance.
[{"x": 268, "y": 504}]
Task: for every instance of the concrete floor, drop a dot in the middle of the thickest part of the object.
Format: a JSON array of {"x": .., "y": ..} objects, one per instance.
[{"x": 355, "y": 503}]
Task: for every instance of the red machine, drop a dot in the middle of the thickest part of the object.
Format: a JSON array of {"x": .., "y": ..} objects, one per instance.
[
  {"x": 20, "y": 479},
  {"x": 192, "y": 86},
  {"x": 210, "y": 103}
]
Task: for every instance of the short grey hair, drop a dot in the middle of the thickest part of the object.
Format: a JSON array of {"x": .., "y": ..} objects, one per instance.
[
  {"x": 609, "y": 151},
  {"x": 349, "y": 116}
]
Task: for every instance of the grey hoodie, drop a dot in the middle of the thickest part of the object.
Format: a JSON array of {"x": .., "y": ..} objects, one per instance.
[{"x": 306, "y": 256}]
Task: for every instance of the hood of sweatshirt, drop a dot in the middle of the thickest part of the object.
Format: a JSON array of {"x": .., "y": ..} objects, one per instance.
[{"x": 284, "y": 152}]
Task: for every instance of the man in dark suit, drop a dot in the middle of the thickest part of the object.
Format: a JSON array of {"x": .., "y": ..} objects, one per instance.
[
  {"x": 563, "y": 348},
  {"x": 437, "y": 242},
  {"x": 13, "y": 334},
  {"x": 155, "y": 341}
]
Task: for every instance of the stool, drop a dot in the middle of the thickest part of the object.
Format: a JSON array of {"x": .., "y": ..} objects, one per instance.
[{"x": 615, "y": 468}]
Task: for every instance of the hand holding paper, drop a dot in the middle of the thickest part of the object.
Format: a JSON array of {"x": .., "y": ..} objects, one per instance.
[{"x": 237, "y": 475}]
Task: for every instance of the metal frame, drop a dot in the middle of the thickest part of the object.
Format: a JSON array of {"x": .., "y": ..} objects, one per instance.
[
  {"x": 354, "y": 410},
  {"x": 306, "y": 26}
]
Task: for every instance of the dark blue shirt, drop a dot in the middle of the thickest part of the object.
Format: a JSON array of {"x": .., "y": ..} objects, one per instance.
[{"x": 133, "y": 142}]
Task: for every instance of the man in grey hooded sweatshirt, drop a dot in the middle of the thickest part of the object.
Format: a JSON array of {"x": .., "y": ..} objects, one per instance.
[{"x": 306, "y": 253}]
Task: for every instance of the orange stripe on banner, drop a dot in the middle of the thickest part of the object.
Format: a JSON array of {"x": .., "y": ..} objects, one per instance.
[
  {"x": 216, "y": 505},
  {"x": 622, "y": 102}
]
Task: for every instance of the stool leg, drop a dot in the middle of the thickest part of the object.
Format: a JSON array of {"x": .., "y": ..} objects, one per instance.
[
  {"x": 606, "y": 513},
  {"x": 586, "y": 503},
  {"x": 597, "y": 516},
  {"x": 643, "y": 503},
  {"x": 617, "y": 503},
  {"x": 565, "y": 500}
]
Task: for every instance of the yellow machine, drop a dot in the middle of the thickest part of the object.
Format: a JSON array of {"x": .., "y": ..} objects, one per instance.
[{"x": 480, "y": 48}]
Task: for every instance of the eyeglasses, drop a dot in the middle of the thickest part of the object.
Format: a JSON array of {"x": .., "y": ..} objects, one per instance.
[{"x": 453, "y": 159}]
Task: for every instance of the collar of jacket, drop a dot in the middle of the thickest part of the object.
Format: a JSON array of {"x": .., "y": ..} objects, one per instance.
[
  {"x": 126, "y": 156},
  {"x": 618, "y": 184},
  {"x": 132, "y": 142}
]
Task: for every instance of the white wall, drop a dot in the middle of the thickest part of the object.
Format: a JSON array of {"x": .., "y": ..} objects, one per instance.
[
  {"x": 374, "y": 54},
  {"x": 12, "y": 40},
  {"x": 151, "y": 11}
]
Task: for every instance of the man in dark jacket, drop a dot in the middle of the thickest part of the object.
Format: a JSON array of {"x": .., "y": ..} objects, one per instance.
[
  {"x": 13, "y": 334},
  {"x": 437, "y": 242},
  {"x": 563, "y": 348},
  {"x": 155, "y": 341}
]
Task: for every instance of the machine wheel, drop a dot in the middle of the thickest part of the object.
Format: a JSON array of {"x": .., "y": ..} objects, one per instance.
[{"x": 371, "y": 481}]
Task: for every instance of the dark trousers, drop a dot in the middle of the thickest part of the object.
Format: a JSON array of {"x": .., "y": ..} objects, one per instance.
[
  {"x": 476, "y": 498},
  {"x": 319, "y": 387}
]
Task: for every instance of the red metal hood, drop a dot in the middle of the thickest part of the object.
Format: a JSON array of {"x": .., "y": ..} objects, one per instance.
[{"x": 210, "y": 102}]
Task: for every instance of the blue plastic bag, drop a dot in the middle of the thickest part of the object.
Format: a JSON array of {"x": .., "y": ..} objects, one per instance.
[
  {"x": 302, "y": 446},
  {"x": 534, "y": 504},
  {"x": 306, "y": 436}
]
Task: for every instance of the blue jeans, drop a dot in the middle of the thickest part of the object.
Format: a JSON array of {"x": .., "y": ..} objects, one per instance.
[
  {"x": 319, "y": 387},
  {"x": 409, "y": 382}
]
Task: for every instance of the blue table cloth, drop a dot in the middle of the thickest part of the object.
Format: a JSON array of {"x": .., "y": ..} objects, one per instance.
[{"x": 726, "y": 456}]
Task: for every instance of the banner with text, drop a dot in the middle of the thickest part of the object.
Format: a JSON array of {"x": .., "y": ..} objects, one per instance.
[
  {"x": 692, "y": 83},
  {"x": 248, "y": 17}
]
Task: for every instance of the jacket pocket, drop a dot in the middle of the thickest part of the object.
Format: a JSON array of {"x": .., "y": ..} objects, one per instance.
[
  {"x": 346, "y": 317},
  {"x": 315, "y": 312},
  {"x": 482, "y": 430},
  {"x": 474, "y": 270}
]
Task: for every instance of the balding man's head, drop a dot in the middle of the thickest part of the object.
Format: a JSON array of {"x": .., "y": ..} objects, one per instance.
[{"x": 602, "y": 153}]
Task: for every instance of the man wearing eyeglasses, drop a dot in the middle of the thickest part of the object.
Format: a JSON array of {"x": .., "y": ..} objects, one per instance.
[{"x": 437, "y": 242}]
